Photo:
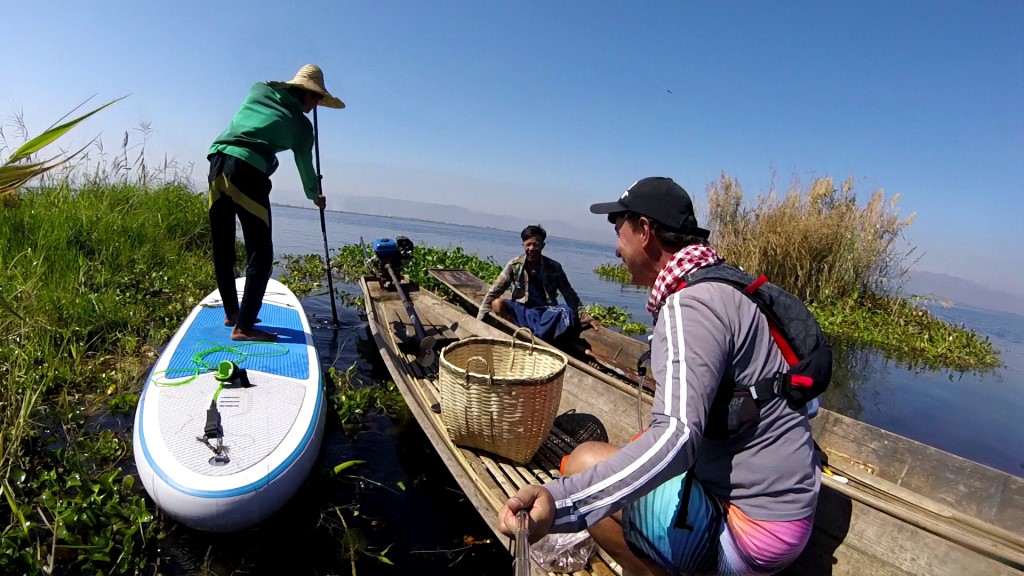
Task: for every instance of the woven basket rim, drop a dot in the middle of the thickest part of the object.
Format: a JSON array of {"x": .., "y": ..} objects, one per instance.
[{"x": 506, "y": 343}]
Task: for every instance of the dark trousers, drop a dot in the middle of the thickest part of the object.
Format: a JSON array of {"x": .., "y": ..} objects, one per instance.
[{"x": 238, "y": 189}]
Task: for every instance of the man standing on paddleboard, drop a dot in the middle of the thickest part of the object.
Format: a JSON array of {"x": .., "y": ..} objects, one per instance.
[{"x": 272, "y": 119}]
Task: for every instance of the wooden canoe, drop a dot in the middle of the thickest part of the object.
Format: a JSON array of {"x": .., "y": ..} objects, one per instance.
[
  {"x": 899, "y": 495},
  {"x": 487, "y": 480}
]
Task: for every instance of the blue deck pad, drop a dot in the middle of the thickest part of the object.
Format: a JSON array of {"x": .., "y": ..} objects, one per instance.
[{"x": 289, "y": 356}]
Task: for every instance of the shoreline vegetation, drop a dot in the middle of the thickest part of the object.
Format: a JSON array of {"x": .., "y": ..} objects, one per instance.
[
  {"x": 97, "y": 272},
  {"x": 101, "y": 275},
  {"x": 98, "y": 277},
  {"x": 845, "y": 261}
]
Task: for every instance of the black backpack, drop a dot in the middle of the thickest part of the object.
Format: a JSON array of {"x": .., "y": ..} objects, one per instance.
[
  {"x": 799, "y": 338},
  {"x": 736, "y": 407}
]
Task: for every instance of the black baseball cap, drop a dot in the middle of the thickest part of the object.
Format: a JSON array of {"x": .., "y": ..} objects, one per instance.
[{"x": 659, "y": 199}]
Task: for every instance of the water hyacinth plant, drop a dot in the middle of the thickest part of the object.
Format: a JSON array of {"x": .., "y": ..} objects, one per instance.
[
  {"x": 354, "y": 398},
  {"x": 617, "y": 317}
]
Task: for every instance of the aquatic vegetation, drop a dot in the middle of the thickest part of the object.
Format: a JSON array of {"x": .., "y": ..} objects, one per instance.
[
  {"x": 353, "y": 543},
  {"x": 614, "y": 273},
  {"x": 304, "y": 274},
  {"x": 613, "y": 316},
  {"x": 354, "y": 397},
  {"x": 350, "y": 261},
  {"x": 907, "y": 332},
  {"x": 633, "y": 328},
  {"x": 76, "y": 508},
  {"x": 123, "y": 403}
]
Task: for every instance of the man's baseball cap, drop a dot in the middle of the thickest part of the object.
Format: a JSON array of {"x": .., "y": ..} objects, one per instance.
[{"x": 659, "y": 199}]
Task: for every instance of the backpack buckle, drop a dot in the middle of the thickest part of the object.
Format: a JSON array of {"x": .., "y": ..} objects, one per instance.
[{"x": 642, "y": 362}]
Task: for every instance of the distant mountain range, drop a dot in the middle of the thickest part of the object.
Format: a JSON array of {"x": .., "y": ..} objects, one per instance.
[
  {"x": 452, "y": 214},
  {"x": 963, "y": 291}
]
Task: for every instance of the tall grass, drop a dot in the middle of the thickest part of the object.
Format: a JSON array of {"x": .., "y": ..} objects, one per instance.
[
  {"x": 815, "y": 240},
  {"x": 99, "y": 275},
  {"x": 845, "y": 259},
  {"x": 23, "y": 166}
]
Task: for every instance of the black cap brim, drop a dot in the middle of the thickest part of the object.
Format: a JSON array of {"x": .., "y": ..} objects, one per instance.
[
  {"x": 696, "y": 231},
  {"x": 607, "y": 208}
]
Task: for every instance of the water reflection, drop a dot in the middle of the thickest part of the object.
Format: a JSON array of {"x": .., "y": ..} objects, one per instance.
[
  {"x": 851, "y": 372},
  {"x": 971, "y": 414}
]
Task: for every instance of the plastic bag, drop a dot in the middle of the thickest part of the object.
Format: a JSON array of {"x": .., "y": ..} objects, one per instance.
[{"x": 563, "y": 552}]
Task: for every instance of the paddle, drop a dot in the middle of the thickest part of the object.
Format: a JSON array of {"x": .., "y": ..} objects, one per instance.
[
  {"x": 323, "y": 223},
  {"x": 522, "y": 559}
]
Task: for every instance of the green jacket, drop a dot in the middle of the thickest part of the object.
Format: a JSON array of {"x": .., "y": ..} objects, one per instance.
[
  {"x": 555, "y": 281},
  {"x": 271, "y": 121}
]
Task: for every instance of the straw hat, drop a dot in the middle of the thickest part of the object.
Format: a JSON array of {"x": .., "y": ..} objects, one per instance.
[{"x": 311, "y": 77}]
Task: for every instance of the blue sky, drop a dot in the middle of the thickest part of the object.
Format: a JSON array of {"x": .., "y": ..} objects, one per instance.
[{"x": 545, "y": 107}]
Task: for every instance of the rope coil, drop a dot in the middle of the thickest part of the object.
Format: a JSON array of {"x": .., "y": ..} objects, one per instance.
[{"x": 201, "y": 365}]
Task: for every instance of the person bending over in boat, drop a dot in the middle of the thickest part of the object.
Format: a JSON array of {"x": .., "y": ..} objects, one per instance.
[
  {"x": 749, "y": 504},
  {"x": 272, "y": 119},
  {"x": 536, "y": 281}
]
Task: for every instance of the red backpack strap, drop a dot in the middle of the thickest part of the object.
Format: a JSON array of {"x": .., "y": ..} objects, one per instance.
[
  {"x": 753, "y": 286},
  {"x": 780, "y": 341}
]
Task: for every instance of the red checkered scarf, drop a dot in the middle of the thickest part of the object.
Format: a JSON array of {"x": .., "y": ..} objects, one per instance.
[{"x": 682, "y": 263}]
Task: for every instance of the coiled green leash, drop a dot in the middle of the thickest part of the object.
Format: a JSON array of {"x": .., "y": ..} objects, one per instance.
[{"x": 228, "y": 374}]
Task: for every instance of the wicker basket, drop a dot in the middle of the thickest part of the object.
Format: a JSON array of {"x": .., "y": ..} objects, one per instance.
[{"x": 500, "y": 396}]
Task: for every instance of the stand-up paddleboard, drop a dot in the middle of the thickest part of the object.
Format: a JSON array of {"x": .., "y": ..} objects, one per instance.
[{"x": 226, "y": 432}]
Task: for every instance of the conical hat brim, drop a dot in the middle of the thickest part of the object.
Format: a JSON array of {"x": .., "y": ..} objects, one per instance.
[{"x": 327, "y": 99}]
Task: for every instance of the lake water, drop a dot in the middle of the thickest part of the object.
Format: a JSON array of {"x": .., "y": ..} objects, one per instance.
[
  {"x": 408, "y": 501},
  {"x": 977, "y": 416}
]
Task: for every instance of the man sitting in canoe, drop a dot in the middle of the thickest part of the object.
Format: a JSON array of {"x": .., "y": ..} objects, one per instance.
[
  {"x": 536, "y": 281},
  {"x": 680, "y": 498}
]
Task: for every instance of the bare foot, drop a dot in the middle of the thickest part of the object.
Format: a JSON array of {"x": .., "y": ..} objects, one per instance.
[
  {"x": 229, "y": 321},
  {"x": 252, "y": 335}
]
